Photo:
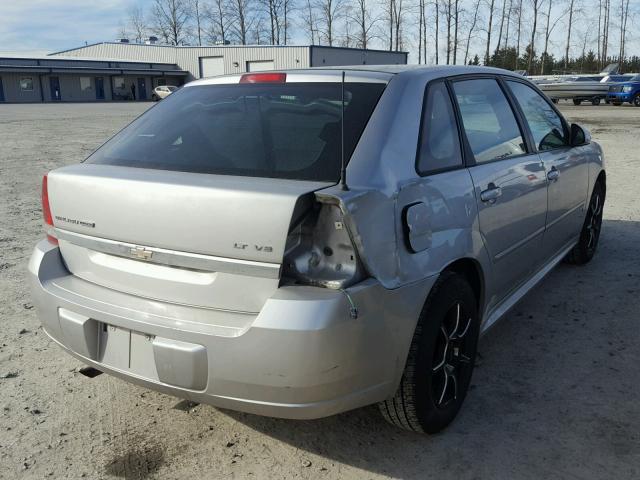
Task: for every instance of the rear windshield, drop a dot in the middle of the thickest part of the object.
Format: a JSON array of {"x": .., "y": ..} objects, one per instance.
[{"x": 289, "y": 130}]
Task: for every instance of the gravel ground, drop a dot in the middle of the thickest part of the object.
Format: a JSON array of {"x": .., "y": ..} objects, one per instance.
[{"x": 556, "y": 395}]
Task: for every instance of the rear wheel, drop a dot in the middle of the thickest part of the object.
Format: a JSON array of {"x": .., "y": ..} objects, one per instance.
[
  {"x": 441, "y": 358},
  {"x": 586, "y": 247},
  {"x": 636, "y": 100},
  {"x": 595, "y": 101},
  {"x": 577, "y": 102}
]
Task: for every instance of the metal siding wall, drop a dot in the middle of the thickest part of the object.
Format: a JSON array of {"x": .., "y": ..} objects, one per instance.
[
  {"x": 12, "y": 92},
  {"x": 327, "y": 57},
  {"x": 187, "y": 58}
]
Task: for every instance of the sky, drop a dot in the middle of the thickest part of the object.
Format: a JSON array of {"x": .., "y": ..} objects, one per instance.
[
  {"x": 38, "y": 27},
  {"x": 44, "y": 26}
]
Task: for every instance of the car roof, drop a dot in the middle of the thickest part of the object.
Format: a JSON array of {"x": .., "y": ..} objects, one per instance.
[{"x": 364, "y": 73}]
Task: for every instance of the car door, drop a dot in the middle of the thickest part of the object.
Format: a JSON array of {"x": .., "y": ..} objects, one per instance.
[
  {"x": 566, "y": 169},
  {"x": 436, "y": 209},
  {"x": 509, "y": 181}
]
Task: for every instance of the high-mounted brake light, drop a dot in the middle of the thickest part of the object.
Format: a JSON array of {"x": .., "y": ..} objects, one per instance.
[
  {"x": 46, "y": 212},
  {"x": 263, "y": 78}
]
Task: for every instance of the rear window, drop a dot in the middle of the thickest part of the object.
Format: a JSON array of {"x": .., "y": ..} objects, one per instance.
[{"x": 289, "y": 130}]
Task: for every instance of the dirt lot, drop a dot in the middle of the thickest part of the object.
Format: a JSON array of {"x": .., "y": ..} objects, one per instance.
[{"x": 556, "y": 396}]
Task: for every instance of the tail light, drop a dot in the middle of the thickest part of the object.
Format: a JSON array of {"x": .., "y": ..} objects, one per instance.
[
  {"x": 320, "y": 252},
  {"x": 270, "y": 77},
  {"x": 46, "y": 212}
]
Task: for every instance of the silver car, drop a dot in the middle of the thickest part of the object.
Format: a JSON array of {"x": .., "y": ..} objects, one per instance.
[{"x": 301, "y": 243}]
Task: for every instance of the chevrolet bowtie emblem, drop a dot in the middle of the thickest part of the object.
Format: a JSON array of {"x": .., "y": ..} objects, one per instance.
[{"x": 140, "y": 253}]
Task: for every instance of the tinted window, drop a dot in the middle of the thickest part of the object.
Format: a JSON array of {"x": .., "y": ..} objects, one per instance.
[
  {"x": 289, "y": 130},
  {"x": 545, "y": 124},
  {"x": 439, "y": 141},
  {"x": 489, "y": 122}
]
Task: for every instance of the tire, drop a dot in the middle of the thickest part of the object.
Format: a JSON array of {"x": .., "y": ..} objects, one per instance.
[
  {"x": 554, "y": 100},
  {"x": 636, "y": 100},
  {"x": 440, "y": 361},
  {"x": 587, "y": 245},
  {"x": 595, "y": 101},
  {"x": 154, "y": 97},
  {"x": 577, "y": 102}
]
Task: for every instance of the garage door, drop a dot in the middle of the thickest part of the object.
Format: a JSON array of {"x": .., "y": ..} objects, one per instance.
[
  {"x": 260, "y": 65},
  {"x": 211, "y": 66}
]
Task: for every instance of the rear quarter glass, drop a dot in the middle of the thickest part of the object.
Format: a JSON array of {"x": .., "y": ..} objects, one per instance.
[{"x": 290, "y": 131}]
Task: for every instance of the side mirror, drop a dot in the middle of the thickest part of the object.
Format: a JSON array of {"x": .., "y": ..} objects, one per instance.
[{"x": 579, "y": 136}]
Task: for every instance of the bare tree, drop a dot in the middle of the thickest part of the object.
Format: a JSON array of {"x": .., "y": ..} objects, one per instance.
[
  {"x": 472, "y": 27},
  {"x": 122, "y": 31},
  {"x": 330, "y": 11},
  {"x": 197, "y": 12},
  {"x": 605, "y": 31},
  {"x": 437, "y": 32},
  {"x": 362, "y": 16},
  {"x": 448, "y": 15},
  {"x": 240, "y": 11},
  {"x": 624, "y": 16},
  {"x": 137, "y": 24},
  {"x": 507, "y": 25},
  {"x": 502, "y": 20},
  {"x": 519, "y": 32},
  {"x": 218, "y": 20},
  {"x": 310, "y": 22},
  {"x": 171, "y": 19},
  {"x": 456, "y": 21},
  {"x": 389, "y": 11},
  {"x": 398, "y": 16},
  {"x": 489, "y": 27},
  {"x": 547, "y": 34},
  {"x": 536, "y": 7},
  {"x": 420, "y": 29},
  {"x": 274, "y": 9},
  {"x": 569, "y": 27}
]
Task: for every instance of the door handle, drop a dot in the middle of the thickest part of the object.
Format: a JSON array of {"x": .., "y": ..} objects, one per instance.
[
  {"x": 553, "y": 174},
  {"x": 491, "y": 194}
]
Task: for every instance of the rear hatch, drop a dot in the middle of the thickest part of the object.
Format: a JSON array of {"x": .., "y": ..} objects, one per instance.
[{"x": 193, "y": 202}]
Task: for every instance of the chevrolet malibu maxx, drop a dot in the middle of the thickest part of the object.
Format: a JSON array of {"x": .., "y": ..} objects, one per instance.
[{"x": 301, "y": 243}]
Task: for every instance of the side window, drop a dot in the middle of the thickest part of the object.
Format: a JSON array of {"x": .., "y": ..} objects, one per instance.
[
  {"x": 439, "y": 141},
  {"x": 545, "y": 124},
  {"x": 489, "y": 123}
]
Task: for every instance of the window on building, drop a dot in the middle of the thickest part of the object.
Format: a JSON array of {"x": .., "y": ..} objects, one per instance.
[
  {"x": 118, "y": 83},
  {"x": 26, "y": 84},
  {"x": 162, "y": 81},
  {"x": 85, "y": 83}
]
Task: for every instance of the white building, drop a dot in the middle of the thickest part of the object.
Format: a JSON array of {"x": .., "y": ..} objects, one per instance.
[{"x": 128, "y": 71}]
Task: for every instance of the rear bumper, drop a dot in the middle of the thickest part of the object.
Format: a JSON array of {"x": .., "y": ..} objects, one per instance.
[{"x": 302, "y": 356}]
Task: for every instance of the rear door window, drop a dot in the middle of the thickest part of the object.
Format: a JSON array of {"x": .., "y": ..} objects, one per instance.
[
  {"x": 290, "y": 130},
  {"x": 489, "y": 122},
  {"x": 545, "y": 124},
  {"x": 439, "y": 140}
]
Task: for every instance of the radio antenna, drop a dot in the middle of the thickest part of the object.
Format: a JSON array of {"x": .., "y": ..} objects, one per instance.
[{"x": 343, "y": 163}]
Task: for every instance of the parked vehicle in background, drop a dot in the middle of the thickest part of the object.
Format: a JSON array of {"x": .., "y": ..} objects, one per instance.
[
  {"x": 162, "y": 91},
  {"x": 628, "y": 91},
  {"x": 301, "y": 243},
  {"x": 578, "y": 89}
]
